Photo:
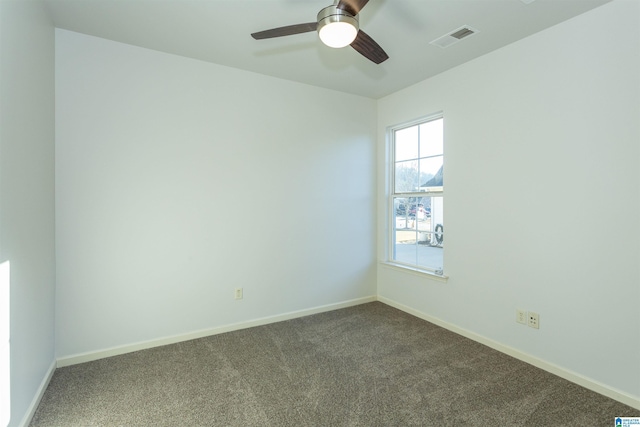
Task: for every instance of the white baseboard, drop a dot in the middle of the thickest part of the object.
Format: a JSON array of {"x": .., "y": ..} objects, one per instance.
[
  {"x": 31, "y": 410},
  {"x": 115, "y": 351},
  {"x": 574, "y": 377}
]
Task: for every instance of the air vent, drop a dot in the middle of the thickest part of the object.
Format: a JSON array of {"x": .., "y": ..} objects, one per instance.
[
  {"x": 455, "y": 36},
  {"x": 460, "y": 34}
]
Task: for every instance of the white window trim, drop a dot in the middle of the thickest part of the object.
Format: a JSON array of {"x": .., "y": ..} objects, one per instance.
[
  {"x": 389, "y": 262},
  {"x": 392, "y": 265}
]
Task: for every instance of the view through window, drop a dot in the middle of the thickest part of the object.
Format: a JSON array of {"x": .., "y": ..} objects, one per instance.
[{"x": 417, "y": 194}]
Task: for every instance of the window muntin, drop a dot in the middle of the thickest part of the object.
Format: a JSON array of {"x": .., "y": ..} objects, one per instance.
[{"x": 417, "y": 195}]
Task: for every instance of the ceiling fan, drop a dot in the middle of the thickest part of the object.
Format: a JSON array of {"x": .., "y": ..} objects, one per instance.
[{"x": 337, "y": 25}]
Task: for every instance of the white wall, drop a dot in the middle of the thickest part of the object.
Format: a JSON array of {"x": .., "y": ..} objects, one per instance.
[
  {"x": 542, "y": 196},
  {"x": 27, "y": 195},
  {"x": 179, "y": 180}
]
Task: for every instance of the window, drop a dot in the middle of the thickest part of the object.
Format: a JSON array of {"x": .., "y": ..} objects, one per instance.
[{"x": 417, "y": 194}]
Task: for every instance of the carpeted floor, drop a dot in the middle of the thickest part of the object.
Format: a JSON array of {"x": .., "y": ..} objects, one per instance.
[{"x": 370, "y": 365}]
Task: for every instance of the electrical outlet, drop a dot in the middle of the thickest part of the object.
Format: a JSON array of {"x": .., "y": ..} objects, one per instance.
[
  {"x": 521, "y": 316},
  {"x": 238, "y": 293},
  {"x": 534, "y": 320}
]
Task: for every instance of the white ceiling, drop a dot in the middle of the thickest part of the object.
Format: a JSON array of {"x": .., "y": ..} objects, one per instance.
[{"x": 219, "y": 31}]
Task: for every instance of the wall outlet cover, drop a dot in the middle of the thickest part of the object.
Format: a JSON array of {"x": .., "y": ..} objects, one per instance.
[{"x": 534, "y": 320}]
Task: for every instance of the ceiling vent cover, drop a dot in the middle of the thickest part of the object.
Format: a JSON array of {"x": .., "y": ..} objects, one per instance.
[{"x": 455, "y": 36}]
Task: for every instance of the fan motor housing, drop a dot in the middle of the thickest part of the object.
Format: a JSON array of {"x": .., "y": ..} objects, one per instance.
[{"x": 332, "y": 14}]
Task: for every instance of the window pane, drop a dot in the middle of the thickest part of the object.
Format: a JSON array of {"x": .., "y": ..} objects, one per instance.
[
  {"x": 418, "y": 236},
  {"x": 431, "y": 172},
  {"x": 405, "y": 234},
  {"x": 406, "y": 142},
  {"x": 407, "y": 176},
  {"x": 431, "y": 138},
  {"x": 435, "y": 206}
]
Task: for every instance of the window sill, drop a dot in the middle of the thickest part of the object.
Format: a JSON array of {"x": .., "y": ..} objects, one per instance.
[{"x": 415, "y": 271}]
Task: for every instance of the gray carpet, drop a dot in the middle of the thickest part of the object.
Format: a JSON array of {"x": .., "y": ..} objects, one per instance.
[{"x": 370, "y": 365}]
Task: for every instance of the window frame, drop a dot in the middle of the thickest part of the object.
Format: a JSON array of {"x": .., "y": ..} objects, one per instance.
[{"x": 392, "y": 195}]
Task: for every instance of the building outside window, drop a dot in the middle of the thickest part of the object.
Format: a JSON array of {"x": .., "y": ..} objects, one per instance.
[{"x": 417, "y": 194}]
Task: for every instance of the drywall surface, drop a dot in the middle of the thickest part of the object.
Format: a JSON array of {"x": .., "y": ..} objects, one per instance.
[
  {"x": 542, "y": 194},
  {"x": 178, "y": 181},
  {"x": 27, "y": 196}
]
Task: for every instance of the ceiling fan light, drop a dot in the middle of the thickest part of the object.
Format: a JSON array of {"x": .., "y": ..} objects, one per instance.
[
  {"x": 336, "y": 27},
  {"x": 338, "y": 34}
]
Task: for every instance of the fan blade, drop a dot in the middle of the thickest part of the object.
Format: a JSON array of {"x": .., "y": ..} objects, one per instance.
[
  {"x": 352, "y": 6},
  {"x": 285, "y": 31},
  {"x": 369, "y": 48}
]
